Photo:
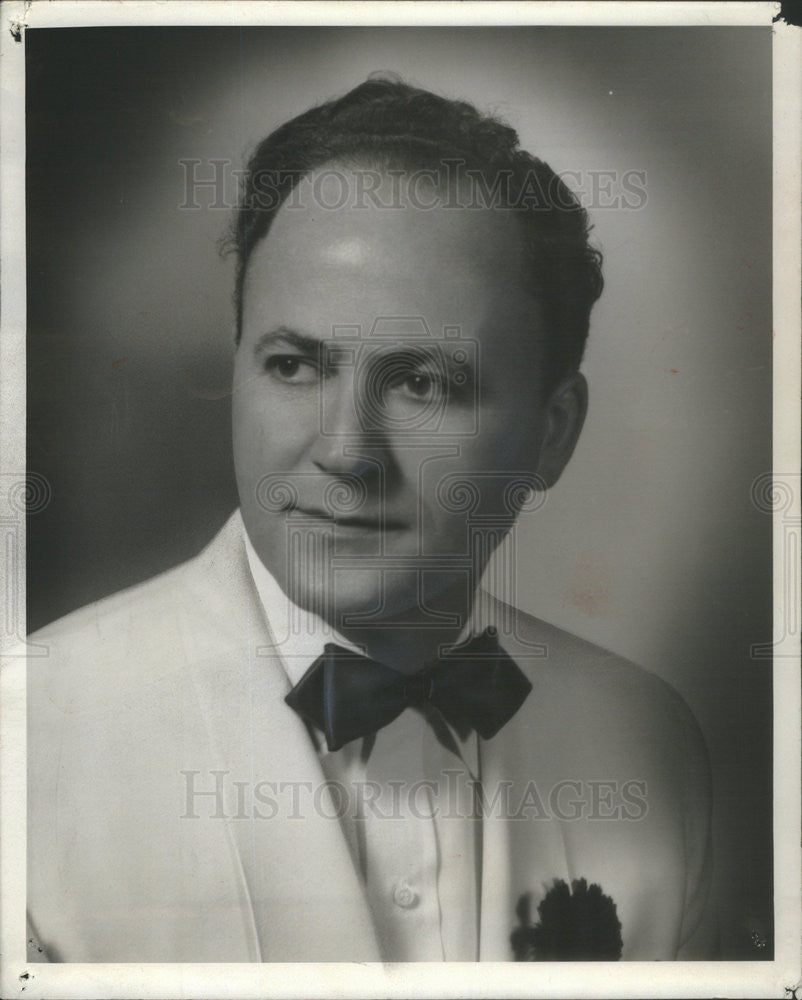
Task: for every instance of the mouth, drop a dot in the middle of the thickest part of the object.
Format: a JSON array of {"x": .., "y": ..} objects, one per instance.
[{"x": 350, "y": 523}]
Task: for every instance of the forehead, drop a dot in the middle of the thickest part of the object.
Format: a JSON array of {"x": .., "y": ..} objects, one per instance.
[{"x": 336, "y": 256}]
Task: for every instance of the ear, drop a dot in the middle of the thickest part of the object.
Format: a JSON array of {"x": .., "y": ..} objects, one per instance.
[{"x": 564, "y": 417}]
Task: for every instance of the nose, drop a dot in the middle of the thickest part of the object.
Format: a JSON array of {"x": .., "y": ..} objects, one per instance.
[{"x": 343, "y": 433}]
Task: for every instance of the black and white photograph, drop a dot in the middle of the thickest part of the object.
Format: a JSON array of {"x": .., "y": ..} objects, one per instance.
[{"x": 400, "y": 481}]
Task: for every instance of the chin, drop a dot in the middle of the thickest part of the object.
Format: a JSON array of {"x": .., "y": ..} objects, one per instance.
[
  {"x": 355, "y": 596},
  {"x": 347, "y": 594},
  {"x": 369, "y": 596}
]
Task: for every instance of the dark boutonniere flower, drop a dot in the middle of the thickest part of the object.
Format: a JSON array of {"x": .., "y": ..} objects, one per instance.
[{"x": 579, "y": 924}]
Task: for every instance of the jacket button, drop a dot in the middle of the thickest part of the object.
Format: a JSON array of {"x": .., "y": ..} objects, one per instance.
[{"x": 404, "y": 895}]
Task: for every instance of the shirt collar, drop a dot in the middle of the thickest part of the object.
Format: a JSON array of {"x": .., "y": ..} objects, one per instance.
[{"x": 298, "y": 635}]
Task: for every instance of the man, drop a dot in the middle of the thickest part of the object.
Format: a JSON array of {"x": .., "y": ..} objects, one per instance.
[{"x": 320, "y": 740}]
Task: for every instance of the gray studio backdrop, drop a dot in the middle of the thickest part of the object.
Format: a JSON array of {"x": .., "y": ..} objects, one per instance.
[{"x": 651, "y": 544}]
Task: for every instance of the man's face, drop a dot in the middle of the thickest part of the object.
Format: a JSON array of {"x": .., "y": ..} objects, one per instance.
[{"x": 387, "y": 392}]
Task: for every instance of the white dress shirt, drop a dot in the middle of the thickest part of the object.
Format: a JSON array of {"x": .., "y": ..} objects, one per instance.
[{"x": 406, "y": 803}]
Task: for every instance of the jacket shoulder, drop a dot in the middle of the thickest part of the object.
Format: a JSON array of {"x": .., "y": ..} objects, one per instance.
[
  {"x": 580, "y": 668},
  {"x": 152, "y": 629},
  {"x": 585, "y": 694}
]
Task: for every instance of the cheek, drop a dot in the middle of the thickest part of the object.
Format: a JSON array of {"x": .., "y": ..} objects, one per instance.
[
  {"x": 511, "y": 446},
  {"x": 268, "y": 435},
  {"x": 478, "y": 480}
]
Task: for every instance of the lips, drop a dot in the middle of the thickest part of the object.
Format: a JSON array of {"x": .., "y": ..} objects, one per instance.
[{"x": 362, "y": 523}]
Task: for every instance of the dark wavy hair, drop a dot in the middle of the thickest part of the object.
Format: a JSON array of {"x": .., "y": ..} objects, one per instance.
[{"x": 387, "y": 124}]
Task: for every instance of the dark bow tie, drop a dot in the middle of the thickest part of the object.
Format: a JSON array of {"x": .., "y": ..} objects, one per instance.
[{"x": 346, "y": 695}]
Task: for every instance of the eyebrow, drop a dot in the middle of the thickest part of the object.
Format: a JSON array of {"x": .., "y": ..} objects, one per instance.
[
  {"x": 308, "y": 344},
  {"x": 301, "y": 341}
]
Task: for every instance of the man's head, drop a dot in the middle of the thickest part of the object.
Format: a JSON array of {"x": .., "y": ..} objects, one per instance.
[{"x": 413, "y": 297}]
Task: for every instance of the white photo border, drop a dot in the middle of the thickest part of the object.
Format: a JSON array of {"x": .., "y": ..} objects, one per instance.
[{"x": 776, "y": 978}]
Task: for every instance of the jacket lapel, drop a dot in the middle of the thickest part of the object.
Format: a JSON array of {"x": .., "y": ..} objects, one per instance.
[
  {"x": 305, "y": 894},
  {"x": 522, "y": 848},
  {"x": 515, "y": 851}
]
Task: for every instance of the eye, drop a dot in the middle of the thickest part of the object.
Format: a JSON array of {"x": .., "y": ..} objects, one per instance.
[
  {"x": 292, "y": 368},
  {"x": 420, "y": 385},
  {"x": 411, "y": 379}
]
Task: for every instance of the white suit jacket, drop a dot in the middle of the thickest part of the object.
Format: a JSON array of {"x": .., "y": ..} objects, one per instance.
[{"x": 178, "y": 675}]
